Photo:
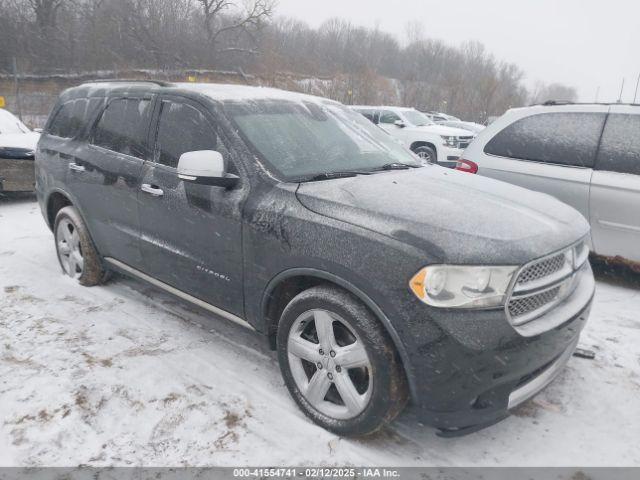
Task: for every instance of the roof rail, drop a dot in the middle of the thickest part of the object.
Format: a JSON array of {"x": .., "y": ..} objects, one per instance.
[
  {"x": 551, "y": 103},
  {"x": 162, "y": 83}
]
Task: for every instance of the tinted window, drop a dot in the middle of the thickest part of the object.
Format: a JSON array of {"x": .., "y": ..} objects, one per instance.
[
  {"x": 69, "y": 119},
  {"x": 387, "y": 116},
  {"x": 561, "y": 138},
  {"x": 123, "y": 126},
  {"x": 182, "y": 129},
  {"x": 369, "y": 114},
  {"x": 620, "y": 146}
]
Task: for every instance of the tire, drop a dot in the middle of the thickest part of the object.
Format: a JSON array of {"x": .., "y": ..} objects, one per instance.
[
  {"x": 76, "y": 253},
  {"x": 328, "y": 318},
  {"x": 426, "y": 154}
]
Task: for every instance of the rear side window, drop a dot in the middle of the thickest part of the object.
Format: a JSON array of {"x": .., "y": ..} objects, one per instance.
[
  {"x": 560, "y": 138},
  {"x": 370, "y": 115},
  {"x": 620, "y": 145},
  {"x": 181, "y": 129},
  {"x": 69, "y": 119},
  {"x": 123, "y": 126}
]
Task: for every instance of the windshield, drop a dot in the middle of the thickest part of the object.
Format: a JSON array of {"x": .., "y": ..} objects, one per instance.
[
  {"x": 416, "y": 118},
  {"x": 303, "y": 139}
]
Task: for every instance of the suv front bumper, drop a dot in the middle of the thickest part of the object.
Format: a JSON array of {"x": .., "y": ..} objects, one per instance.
[{"x": 468, "y": 386}]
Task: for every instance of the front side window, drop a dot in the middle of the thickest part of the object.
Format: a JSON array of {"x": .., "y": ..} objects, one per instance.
[
  {"x": 387, "y": 116},
  {"x": 303, "y": 139},
  {"x": 123, "y": 127},
  {"x": 556, "y": 137},
  {"x": 620, "y": 145},
  {"x": 182, "y": 128}
]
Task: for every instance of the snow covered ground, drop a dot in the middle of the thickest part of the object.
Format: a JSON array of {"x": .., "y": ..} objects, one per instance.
[{"x": 123, "y": 374}]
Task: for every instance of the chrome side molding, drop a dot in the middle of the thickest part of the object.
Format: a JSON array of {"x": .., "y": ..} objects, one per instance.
[{"x": 179, "y": 293}]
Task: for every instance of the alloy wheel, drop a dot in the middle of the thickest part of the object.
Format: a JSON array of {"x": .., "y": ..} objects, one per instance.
[
  {"x": 69, "y": 248},
  {"x": 425, "y": 156},
  {"x": 329, "y": 364}
]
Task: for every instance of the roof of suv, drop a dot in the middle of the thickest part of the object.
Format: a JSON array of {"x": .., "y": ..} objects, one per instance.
[
  {"x": 215, "y": 91},
  {"x": 563, "y": 103},
  {"x": 382, "y": 107}
]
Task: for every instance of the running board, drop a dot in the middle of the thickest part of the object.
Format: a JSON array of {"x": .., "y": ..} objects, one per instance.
[{"x": 179, "y": 293}]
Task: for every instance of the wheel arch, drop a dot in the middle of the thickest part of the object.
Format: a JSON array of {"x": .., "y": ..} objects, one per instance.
[
  {"x": 287, "y": 284},
  {"x": 423, "y": 143},
  {"x": 56, "y": 201}
]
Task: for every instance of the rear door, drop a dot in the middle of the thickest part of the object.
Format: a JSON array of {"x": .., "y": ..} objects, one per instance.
[
  {"x": 615, "y": 186},
  {"x": 106, "y": 175},
  {"x": 191, "y": 234},
  {"x": 550, "y": 152},
  {"x": 64, "y": 137}
]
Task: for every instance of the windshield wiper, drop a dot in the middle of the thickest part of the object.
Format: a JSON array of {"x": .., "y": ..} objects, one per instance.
[
  {"x": 396, "y": 166},
  {"x": 353, "y": 173},
  {"x": 332, "y": 175}
]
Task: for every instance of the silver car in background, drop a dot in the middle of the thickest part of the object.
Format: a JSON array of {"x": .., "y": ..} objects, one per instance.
[{"x": 588, "y": 156}]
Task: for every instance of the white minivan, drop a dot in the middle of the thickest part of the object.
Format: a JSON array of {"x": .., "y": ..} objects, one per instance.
[{"x": 587, "y": 155}]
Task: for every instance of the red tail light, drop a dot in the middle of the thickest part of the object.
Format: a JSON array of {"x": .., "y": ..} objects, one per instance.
[{"x": 466, "y": 166}]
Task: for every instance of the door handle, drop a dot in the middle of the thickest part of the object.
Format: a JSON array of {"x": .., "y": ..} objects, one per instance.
[
  {"x": 76, "y": 168},
  {"x": 152, "y": 190}
]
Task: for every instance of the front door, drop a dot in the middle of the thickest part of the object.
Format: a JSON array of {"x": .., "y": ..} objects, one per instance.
[
  {"x": 191, "y": 234},
  {"x": 387, "y": 121}
]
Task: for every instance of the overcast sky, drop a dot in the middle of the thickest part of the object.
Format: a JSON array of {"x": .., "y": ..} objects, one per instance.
[{"x": 583, "y": 43}]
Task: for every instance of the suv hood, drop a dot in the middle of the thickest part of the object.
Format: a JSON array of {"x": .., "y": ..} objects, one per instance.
[
  {"x": 453, "y": 216},
  {"x": 19, "y": 140},
  {"x": 443, "y": 130}
]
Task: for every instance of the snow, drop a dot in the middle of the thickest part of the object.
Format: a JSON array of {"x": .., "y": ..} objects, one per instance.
[
  {"x": 123, "y": 374},
  {"x": 14, "y": 133},
  {"x": 20, "y": 140},
  {"x": 219, "y": 91}
]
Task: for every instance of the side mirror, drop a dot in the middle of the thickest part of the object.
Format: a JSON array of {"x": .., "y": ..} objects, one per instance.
[
  {"x": 399, "y": 124},
  {"x": 206, "y": 167}
]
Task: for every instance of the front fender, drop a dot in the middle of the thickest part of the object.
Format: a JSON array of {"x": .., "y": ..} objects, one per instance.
[{"x": 358, "y": 293}]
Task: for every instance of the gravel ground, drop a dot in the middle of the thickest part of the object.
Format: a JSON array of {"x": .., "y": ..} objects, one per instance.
[{"x": 123, "y": 374}]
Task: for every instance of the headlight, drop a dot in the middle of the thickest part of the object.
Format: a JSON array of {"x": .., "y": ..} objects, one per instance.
[
  {"x": 453, "y": 286},
  {"x": 449, "y": 141}
]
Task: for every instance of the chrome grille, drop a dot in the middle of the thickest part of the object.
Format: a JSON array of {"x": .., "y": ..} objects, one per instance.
[
  {"x": 544, "y": 283},
  {"x": 541, "y": 269},
  {"x": 523, "y": 306}
]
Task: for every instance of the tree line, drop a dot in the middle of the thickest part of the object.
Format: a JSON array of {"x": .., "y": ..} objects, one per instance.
[{"x": 349, "y": 63}]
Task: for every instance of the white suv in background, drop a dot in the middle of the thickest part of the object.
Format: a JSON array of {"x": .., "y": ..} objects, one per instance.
[
  {"x": 431, "y": 142},
  {"x": 588, "y": 156}
]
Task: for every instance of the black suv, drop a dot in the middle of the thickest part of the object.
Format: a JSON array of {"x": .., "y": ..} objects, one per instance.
[{"x": 377, "y": 279}]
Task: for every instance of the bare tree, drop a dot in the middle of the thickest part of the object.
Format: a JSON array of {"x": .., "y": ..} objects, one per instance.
[
  {"x": 46, "y": 12},
  {"x": 226, "y": 18},
  {"x": 338, "y": 59},
  {"x": 555, "y": 91}
]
